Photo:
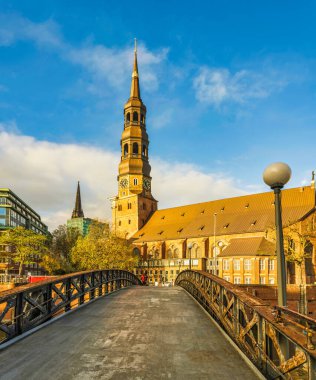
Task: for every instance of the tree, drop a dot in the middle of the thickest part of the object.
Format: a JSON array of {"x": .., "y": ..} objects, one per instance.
[
  {"x": 299, "y": 247},
  {"x": 57, "y": 259},
  {"x": 25, "y": 245},
  {"x": 298, "y": 242},
  {"x": 100, "y": 249}
]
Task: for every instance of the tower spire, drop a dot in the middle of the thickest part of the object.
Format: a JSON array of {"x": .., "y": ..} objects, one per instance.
[
  {"x": 77, "y": 211},
  {"x": 135, "y": 89}
]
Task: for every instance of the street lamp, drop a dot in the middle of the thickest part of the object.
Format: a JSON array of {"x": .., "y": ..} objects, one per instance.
[
  {"x": 190, "y": 245},
  {"x": 276, "y": 176}
]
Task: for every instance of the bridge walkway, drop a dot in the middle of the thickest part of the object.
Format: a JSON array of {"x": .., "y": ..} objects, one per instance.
[{"x": 136, "y": 333}]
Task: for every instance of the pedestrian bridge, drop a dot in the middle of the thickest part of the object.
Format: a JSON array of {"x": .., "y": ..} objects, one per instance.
[{"x": 140, "y": 332}]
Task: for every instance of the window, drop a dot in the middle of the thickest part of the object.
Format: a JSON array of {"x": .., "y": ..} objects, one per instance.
[
  {"x": 129, "y": 221},
  {"x": 247, "y": 280},
  {"x": 128, "y": 117},
  {"x": 2, "y": 211},
  {"x": 226, "y": 265},
  {"x": 119, "y": 207},
  {"x": 236, "y": 265},
  {"x": 125, "y": 149},
  {"x": 271, "y": 281},
  {"x": 262, "y": 280},
  {"x": 247, "y": 264},
  {"x": 142, "y": 118},
  {"x": 271, "y": 264},
  {"x": 236, "y": 280},
  {"x": 129, "y": 205},
  {"x": 135, "y": 148},
  {"x": 135, "y": 116},
  {"x": 262, "y": 264},
  {"x": 135, "y": 181},
  {"x": 144, "y": 151},
  {"x": 226, "y": 278}
]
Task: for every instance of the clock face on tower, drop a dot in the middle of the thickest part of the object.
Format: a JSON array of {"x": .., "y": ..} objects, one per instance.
[
  {"x": 124, "y": 183},
  {"x": 146, "y": 184}
]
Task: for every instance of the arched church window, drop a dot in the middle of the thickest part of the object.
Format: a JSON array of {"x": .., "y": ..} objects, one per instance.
[
  {"x": 128, "y": 117},
  {"x": 144, "y": 151},
  {"x": 169, "y": 254},
  {"x": 142, "y": 118},
  {"x": 135, "y": 148},
  {"x": 135, "y": 181},
  {"x": 135, "y": 116},
  {"x": 176, "y": 253},
  {"x": 198, "y": 253},
  {"x": 125, "y": 149}
]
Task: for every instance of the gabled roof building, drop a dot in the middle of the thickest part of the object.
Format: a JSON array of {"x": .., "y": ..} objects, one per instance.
[{"x": 230, "y": 237}]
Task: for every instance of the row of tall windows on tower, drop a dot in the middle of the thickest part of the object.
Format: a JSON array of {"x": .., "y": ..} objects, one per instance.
[
  {"x": 135, "y": 149},
  {"x": 135, "y": 117}
]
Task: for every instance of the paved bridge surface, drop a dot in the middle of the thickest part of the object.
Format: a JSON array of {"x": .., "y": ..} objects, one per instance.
[{"x": 136, "y": 333}]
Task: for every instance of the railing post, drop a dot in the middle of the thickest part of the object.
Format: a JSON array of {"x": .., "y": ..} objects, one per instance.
[
  {"x": 81, "y": 298},
  {"x": 48, "y": 299},
  {"x": 19, "y": 314},
  {"x": 92, "y": 290},
  {"x": 100, "y": 283},
  {"x": 68, "y": 295}
]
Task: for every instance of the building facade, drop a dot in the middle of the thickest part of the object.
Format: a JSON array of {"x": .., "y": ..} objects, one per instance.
[
  {"x": 134, "y": 204},
  {"x": 232, "y": 238},
  {"x": 15, "y": 212},
  {"x": 78, "y": 220}
]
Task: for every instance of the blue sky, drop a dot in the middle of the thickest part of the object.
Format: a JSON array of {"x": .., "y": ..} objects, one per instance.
[{"x": 229, "y": 87}]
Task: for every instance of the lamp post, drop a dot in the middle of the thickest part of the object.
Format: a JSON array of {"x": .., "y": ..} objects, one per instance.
[
  {"x": 276, "y": 176},
  {"x": 190, "y": 245}
]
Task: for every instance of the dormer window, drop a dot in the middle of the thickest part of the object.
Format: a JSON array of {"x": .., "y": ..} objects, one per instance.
[
  {"x": 163, "y": 217},
  {"x": 202, "y": 212},
  {"x": 254, "y": 223},
  {"x": 247, "y": 205},
  {"x": 183, "y": 214},
  {"x": 202, "y": 228},
  {"x": 226, "y": 225},
  {"x": 160, "y": 233},
  {"x": 222, "y": 209},
  {"x": 180, "y": 230}
]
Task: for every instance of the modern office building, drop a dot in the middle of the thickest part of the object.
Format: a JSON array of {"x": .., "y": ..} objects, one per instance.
[
  {"x": 15, "y": 212},
  {"x": 78, "y": 220}
]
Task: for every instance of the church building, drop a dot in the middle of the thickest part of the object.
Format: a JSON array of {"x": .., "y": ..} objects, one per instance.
[
  {"x": 134, "y": 204},
  {"x": 232, "y": 238}
]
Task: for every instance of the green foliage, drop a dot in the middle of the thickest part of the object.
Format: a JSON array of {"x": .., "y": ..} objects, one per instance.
[
  {"x": 100, "y": 249},
  {"x": 57, "y": 259},
  {"x": 24, "y": 245}
]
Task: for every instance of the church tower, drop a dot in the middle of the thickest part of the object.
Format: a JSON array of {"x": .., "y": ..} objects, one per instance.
[{"x": 134, "y": 204}]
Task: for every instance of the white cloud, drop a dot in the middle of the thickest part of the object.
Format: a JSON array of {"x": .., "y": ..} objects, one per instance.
[
  {"x": 215, "y": 86},
  {"x": 112, "y": 65},
  {"x": 45, "y": 174},
  {"x": 115, "y": 65},
  {"x": 14, "y": 27}
]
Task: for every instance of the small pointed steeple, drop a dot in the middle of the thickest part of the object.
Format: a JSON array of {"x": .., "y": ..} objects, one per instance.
[
  {"x": 77, "y": 212},
  {"x": 135, "y": 89}
]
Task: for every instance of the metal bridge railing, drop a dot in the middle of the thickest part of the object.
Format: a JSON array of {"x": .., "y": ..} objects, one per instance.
[
  {"x": 28, "y": 306},
  {"x": 277, "y": 340}
]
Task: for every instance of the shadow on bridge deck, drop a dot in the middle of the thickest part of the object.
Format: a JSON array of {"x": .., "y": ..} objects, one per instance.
[{"x": 136, "y": 333}]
